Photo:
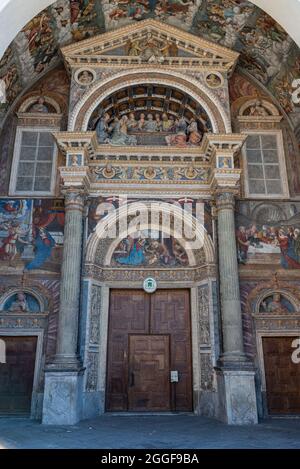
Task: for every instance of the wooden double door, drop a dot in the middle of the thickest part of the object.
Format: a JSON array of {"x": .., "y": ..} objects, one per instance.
[
  {"x": 149, "y": 336},
  {"x": 282, "y": 375},
  {"x": 17, "y": 374}
]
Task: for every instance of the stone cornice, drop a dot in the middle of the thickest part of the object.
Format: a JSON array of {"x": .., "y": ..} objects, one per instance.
[{"x": 203, "y": 54}]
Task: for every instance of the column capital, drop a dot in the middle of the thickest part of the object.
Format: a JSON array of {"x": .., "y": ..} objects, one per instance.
[
  {"x": 225, "y": 199},
  {"x": 74, "y": 198}
]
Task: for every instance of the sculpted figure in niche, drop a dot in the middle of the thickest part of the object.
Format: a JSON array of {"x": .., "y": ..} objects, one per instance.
[
  {"x": 142, "y": 122},
  {"x": 132, "y": 123},
  {"x": 258, "y": 110},
  {"x": 150, "y": 125},
  {"x": 274, "y": 304},
  {"x": 40, "y": 106},
  {"x": 102, "y": 128},
  {"x": 85, "y": 77},
  {"x": 20, "y": 304},
  {"x": 180, "y": 139},
  {"x": 166, "y": 123},
  {"x": 194, "y": 135},
  {"x": 158, "y": 121},
  {"x": 119, "y": 133}
]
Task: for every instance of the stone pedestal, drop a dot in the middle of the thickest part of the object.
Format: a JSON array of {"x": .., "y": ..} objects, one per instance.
[
  {"x": 62, "y": 398},
  {"x": 237, "y": 397},
  {"x": 63, "y": 382}
]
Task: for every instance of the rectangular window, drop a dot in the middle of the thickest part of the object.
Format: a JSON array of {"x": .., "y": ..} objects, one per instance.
[
  {"x": 265, "y": 170},
  {"x": 34, "y": 162}
]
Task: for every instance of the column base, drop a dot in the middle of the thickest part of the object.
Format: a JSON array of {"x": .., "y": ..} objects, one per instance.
[
  {"x": 237, "y": 396},
  {"x": 62, "y": 397},
  {"x": 65, "y": 363}
]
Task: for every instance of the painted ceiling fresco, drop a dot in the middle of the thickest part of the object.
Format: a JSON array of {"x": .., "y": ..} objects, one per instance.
[{"x": 267, "y": 52}]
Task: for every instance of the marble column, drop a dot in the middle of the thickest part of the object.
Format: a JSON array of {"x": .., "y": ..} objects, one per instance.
[
  {"x": 235, "y": 373},
  {"x": 63, "y": 377},
  {"x": 233, "y": 347},
  {"x": 66, "y": 350}
]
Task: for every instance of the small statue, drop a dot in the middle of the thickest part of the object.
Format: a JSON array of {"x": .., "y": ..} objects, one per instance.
[
  {"x": 258, "y": 110},
  {"x": 39, "y": 106},
  {"x": 150, "y": 125},
  {"x": 166, "y": 123},
  {"x": 102, "y": 128},
  {"x": 141, "y": 122},
  {"x": 158, "y": 123},
  {"x": 194, "y": 135},
  {"x": 132, "y": 123}
]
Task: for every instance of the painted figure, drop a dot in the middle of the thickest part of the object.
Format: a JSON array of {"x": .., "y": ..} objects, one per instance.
[
  {"x": 135, "y": 252},
  {"x": 43, "y": 245},
  {"x": 9, "y": 250},
  {"x": 243, "y": 244},
  {"x": 119, "y": 133}
]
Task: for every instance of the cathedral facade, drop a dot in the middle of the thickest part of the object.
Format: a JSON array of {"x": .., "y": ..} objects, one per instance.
[{"x": 149, "y": 226}]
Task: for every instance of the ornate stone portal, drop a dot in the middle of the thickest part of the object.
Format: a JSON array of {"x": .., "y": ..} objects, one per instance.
[{"x": 116, "y": 108}]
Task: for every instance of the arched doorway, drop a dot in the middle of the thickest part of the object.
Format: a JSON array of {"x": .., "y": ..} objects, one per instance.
[{"x": 154, "y": 335}]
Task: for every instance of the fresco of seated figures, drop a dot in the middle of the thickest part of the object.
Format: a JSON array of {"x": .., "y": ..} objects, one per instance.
[
  {"x": 269, "y": 234},
  {"x": 147, "y": 249}
]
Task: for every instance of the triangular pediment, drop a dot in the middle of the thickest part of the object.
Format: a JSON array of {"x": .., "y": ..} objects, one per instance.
[{"x": 150, "y": 42}]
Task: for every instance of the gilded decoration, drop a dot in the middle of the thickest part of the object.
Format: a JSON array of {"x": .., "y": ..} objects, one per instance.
[{"x": 150, "y": 173}]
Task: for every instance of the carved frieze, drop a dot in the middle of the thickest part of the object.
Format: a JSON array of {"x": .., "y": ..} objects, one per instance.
[{"x": 203, "y": 305}]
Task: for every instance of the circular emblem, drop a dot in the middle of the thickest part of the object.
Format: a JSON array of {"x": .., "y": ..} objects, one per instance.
[
  {"x": 150, "y": 285},
  {"x": 85, "y": 77},
  {"x": 214, "y": 80}
]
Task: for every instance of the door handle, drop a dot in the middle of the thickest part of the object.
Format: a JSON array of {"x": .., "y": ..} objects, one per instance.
[{"x": 131, "y": 380}]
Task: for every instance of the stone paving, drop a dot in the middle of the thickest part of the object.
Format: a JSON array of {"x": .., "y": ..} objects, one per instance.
[{"x": 149, "y": 432}]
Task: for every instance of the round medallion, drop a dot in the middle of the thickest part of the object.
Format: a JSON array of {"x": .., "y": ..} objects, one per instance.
[
  {"x": 150, "y": 173},
  {"x": 190, "y": 173},
  {"x": 150, "y": 285},
  {"x": 214, "y": 80},
  {"x": 85, "y": 77},
  {"x": 109, "y": 172}
]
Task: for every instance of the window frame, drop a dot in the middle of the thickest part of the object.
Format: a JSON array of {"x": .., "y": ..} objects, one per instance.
[
  {"x": 16, "y": 161},
  {"x": 281, "y": 163}
]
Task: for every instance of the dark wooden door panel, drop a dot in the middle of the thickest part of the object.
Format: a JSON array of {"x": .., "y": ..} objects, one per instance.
[
  {"x": 282, "y": 376},
  {"x": 17, "y": 374},
  {"x": 170, "y": 313},
  {"x": 149, "y": 373},
  {"x": 129, "y": 313},
  {"x": 133, "y": 312}
]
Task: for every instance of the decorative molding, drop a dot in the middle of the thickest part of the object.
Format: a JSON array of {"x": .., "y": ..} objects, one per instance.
[
  {"x": 203, "y": 54},
  {"x": 107, "y": 275},
  {"x": 99, "y": 91}
]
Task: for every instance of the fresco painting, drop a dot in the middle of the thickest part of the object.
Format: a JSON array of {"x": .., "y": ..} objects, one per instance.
[
  {"x": 99, "y": 207},
  {"x": 267, "y": 52},
  {"x": 150, "y": 249},
  {"x": 31, "y": 234},
  {"x": 269, "y": 235}
]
